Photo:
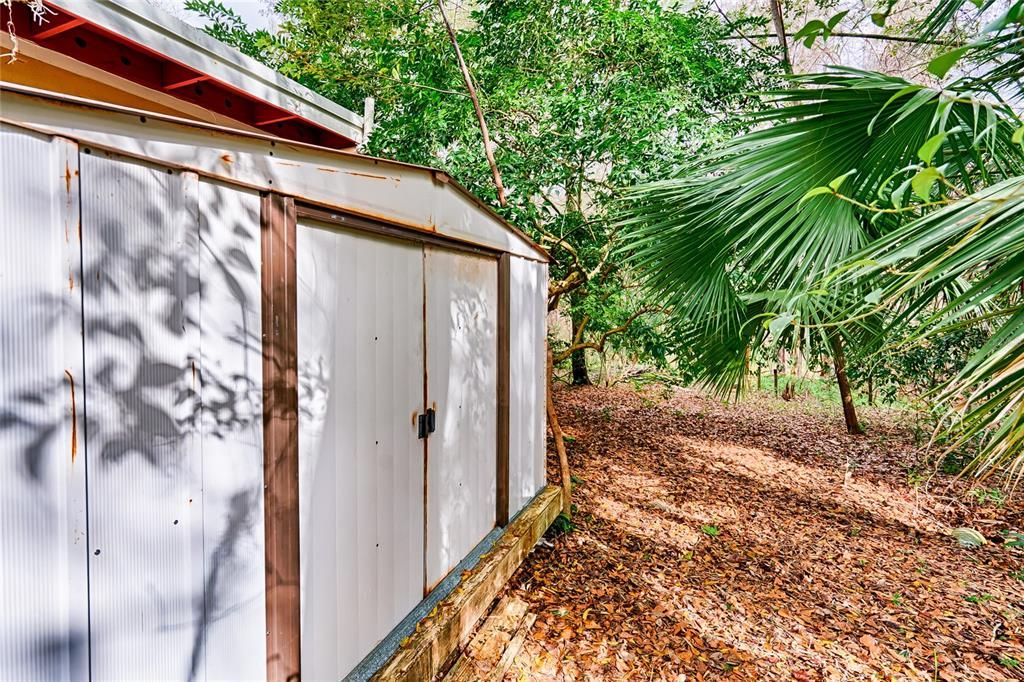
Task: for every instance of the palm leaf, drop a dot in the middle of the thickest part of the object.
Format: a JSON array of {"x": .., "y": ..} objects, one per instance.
[{"x": 735, "y": 222}]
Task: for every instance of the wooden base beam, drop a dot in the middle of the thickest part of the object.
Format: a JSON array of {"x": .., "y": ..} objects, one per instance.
[{"x": 439, "y": 637}]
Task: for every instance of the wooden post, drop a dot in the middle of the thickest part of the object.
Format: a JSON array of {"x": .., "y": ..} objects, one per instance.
[
  {"x": 280, "y": 436},
  {"x": 504, "y": 330}
]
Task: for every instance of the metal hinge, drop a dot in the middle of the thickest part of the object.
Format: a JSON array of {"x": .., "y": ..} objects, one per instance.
[{"x": 427, "y": 423}]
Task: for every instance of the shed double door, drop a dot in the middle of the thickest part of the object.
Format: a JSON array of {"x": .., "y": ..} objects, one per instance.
[{"x": 387, "y": 330}]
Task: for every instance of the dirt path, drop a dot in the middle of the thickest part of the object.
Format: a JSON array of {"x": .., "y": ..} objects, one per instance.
[{"x": 762, "y": 542}]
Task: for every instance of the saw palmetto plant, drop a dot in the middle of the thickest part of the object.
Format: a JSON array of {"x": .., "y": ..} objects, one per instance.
[{"x": 867, "y": 209}]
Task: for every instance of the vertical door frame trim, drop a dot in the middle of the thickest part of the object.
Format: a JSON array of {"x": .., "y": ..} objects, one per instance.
[
  {"x": 504, "y": 383},
  {"x": 280, "y": 435}
]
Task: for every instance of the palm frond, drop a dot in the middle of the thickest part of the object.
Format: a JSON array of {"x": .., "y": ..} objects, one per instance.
[{"x": 738, "y": 221}]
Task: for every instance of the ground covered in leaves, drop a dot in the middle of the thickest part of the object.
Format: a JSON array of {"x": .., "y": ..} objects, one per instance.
[{"x": 759, "y": 541}]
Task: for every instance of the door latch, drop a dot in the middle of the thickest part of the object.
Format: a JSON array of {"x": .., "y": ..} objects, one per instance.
[{"x": 427, "y": 423}]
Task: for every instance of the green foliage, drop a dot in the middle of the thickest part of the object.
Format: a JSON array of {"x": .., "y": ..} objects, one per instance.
[
  {"x": 1014, "y": 539},
  {"x": 582, "y": 101},
  {"x": 561, "y": 525},
  {"x": 984, "y": 496},
  {"x": 711, "y": 531},
  {"x": 773, "y": 231},
  {"x": 917, "y": 368},
  {"x": 979, "y": 598}
]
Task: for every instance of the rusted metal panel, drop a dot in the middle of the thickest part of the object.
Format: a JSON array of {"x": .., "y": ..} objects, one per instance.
[
  {"x": 140, "y": 249},
  {"x": 233, "y": 625},
  {"x": 280, "y": 437},
  {"x": 43, "y": 630},
  {"x": 360, "y": 302},
  {"x": 462, "y": 316},
  {"x": 408, "y": 196},
  {"x": 528, "y": 326}
]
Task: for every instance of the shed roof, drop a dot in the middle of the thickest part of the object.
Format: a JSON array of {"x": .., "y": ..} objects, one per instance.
[
  {"x": 412, "y": 197},
  {"x": 143, "y": 44}
]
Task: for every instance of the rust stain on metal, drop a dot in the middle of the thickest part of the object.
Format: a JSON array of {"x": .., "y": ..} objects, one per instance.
[
  {"x": 74, "y": 418},
  {"x": 287, "y": 163},
  {"x": 415, "y": 414},
  {"x": 79, "y": 229},
  {"x": 67, "y": 185},
  {"x": 71, "y": 281},
  {"x": 327, "y": 170},
  {"x": 369, "y": 175},
  {"x": 226, "y": 158}
]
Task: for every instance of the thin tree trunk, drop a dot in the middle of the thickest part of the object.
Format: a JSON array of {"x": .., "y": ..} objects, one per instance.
[
  {"x": 495, "y": 173},
  {"x": 780, "y": 33},
  {"x": 556, "y": 434},
  {"x": 839, "y": 360},
  {"x": 871, "y": 391},
  {"x": 580, "y": 375}
]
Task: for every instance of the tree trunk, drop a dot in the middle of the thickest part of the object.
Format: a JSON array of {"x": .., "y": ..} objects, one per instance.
[
  {"x": 556, "y": 434},
  {"x": 580, "y": 376},
  {"x": 780, "y": 33},
  {"x": 839, "y": 360},
  {"x": 871, "y": 391}
]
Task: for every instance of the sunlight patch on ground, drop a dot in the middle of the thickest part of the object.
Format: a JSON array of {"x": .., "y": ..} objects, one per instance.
[
  {"x": 647, "y": 524},
  {"x": 877, "y": 499}
]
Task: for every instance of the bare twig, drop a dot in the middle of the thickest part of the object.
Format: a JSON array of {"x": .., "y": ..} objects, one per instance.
[{"x": 476, "y": 105}]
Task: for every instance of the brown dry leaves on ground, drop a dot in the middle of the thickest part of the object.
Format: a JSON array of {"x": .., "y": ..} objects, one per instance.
[{"x": 760, "y": 541}]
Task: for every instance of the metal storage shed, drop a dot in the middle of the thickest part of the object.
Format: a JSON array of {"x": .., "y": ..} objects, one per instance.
[{"x": 253, "y": 390}]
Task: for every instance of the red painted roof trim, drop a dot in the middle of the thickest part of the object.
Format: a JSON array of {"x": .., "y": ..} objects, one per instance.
[{"x": 97, "y": 46}]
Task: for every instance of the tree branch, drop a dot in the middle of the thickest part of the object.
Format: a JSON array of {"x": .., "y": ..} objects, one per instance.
[
  {"x": 476, "y": 105},
  {"x": 599, "y": 344}
]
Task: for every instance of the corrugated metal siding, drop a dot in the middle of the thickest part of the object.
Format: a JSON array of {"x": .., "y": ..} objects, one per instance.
[
  {"x": 360, "y": 336},
  {"x": 234, "y": 622},
  {"x": 462, "y": 313},
  {"x": 141, "y": 278},
  {"x": 374, "y": 187},
  {"x": 43, "y": 628},
  {"x": 527, "y": 367}
]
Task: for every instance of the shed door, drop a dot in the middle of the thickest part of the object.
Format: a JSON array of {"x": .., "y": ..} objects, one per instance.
[
  {"x": 360, "y": 344},
  {"x": 462, "y": 348}
]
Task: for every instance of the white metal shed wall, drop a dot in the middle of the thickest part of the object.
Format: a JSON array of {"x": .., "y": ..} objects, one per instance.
[
  {"x": 159, "y": 290},
  {"x": 161, "y": 331},
  {"x": 527, "y": 376},
  {"x": 43, "y": 628}
]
